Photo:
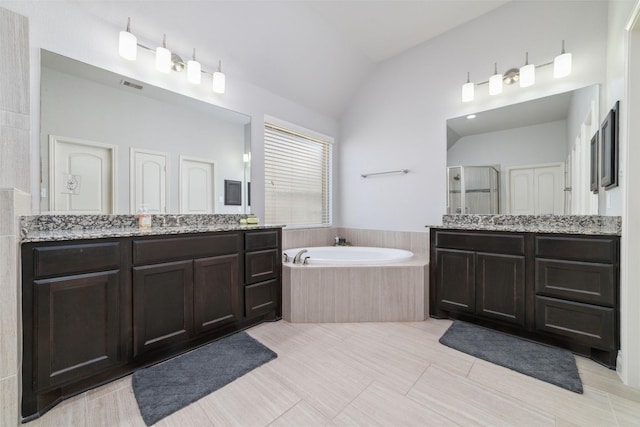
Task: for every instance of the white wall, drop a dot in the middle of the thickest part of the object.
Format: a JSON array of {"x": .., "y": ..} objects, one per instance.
[
  {"x": 62, "y": 28},
  {"x": 397, "y": 119},
  {"x": 77, "y": 108}
]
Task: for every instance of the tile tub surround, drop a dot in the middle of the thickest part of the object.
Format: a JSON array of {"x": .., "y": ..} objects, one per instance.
[
  {"x": 381, "y": 293},
  {"x": 416, "y": 242},
  {"x": 565, "y": 224},
  {"x": 38, "y": 228}
]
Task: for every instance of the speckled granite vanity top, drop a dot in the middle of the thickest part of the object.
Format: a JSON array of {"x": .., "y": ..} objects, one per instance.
[
  {"x": 44, "y": 228},
  {"x": 561, "y": 224}
]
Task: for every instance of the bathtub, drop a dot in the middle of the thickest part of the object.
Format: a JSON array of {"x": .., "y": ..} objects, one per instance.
[
  {"x": 351, "y": 255},
  {"x": 355, "y": 284}
]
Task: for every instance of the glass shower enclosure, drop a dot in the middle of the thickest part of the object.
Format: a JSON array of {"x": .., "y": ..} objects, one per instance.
[{"x": 473, "y": 190}]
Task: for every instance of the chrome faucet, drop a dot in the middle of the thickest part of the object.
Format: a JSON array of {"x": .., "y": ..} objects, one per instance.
[{"x": 298, "y": 258}]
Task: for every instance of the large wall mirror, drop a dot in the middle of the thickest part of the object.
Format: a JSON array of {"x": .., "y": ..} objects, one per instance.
[
  {"x": 111, "y": 145},
  {"x": 530, "y": 158}
]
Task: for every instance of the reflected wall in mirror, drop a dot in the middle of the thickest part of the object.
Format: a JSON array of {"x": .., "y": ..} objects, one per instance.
[
  {"x": 541, "y": 150},
  {"x": 122, "y": 144}
]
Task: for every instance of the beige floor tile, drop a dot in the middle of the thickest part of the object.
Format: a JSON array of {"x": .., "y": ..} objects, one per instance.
[
  {"x": 590, "y": 408},
  {"x": 256, "y": 399},
  {"x": 468, "y": 402},
  {"x": 323, "y": 381},
  {"x": 190, "y": 416},
  {"x": 596, "y": 376},
  {"x": 394, "y": 368},
  {"x": 381, "y": 406},
  {"x": 9, "y": 401},
  {"x": 124, "y": 382},
  {"x": 70, "y": 413},
  {"x": 119, "y": 408},
  {"x": 302, "y": 414},
  {"x": 627, "y": 412}
]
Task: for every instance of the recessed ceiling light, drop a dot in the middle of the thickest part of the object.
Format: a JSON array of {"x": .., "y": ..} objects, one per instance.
[{"x": 471, "y": 116}]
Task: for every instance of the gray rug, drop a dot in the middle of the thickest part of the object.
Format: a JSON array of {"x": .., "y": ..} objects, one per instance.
[
  {"x": 546, "y": 363},
  {"x": 169, "y": 386}
]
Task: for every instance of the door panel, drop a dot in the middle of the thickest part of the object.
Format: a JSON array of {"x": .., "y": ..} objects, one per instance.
[
  {"x": 149, "y": 181},
  {"x": 217, "y": 287},
  {"x": 81, "y": 176},
  {"x": 162, "y": 304},
  {"x": 456, "y": 280},
  {"x": 196, "y": 186},
  {"x": 500, "y": 293}
]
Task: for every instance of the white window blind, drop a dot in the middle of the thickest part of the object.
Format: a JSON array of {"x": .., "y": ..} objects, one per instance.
[{"x": 297, "y": 174}]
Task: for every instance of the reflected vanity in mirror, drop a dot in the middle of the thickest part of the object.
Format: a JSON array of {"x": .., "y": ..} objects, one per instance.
[
  {"x": 531, "y": 158},
  {"x": 112, "y": 145}
]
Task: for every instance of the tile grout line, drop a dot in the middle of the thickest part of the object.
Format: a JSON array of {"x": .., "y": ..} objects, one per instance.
[{"x": 352, "y": 400}]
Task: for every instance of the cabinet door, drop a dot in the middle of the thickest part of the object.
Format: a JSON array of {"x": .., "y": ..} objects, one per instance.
[
  {"x": 455, "y": 282},
  {"x": 500, "y": 287},
  {"x": 217, "y": 288},
  {"x": 162, "y": 304},
  {"x": 77, "y": 327}
]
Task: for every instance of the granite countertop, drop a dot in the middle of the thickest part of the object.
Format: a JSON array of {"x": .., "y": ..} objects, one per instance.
[
  {"x": 104, "y": 233},
  {"x": 47, "y": 228},
  {"x": 560, "y": 224}
]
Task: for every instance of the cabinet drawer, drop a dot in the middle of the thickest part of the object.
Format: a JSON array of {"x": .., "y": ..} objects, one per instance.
[
  {"x": 583, "y": 323},
  {"x": 577, "y": 248},
  {"x": 482, "y": 242},
  {"x": 70, "y": 259},
  {"x": 258, "y": 240},
  {"x": 578, "y": 281},
  {"x": 260, "y": 298},
  {"x": 261, "y": 265},
  {"x": 150, "y": 251}
]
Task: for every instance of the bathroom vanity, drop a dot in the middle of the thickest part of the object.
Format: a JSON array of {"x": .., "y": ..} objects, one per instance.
[
  {"x": 553, "y": 282},
  {"x": 95, "y": 309}
]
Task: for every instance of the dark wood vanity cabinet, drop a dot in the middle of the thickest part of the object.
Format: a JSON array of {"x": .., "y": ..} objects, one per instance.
[
  {"x": 481, "y": 274},
  {"x": 262, "y": 272},
  {"x": 95, "y": 310},
  {"x": 561, "y": 289},
  {"x": 182, "y": 287}
]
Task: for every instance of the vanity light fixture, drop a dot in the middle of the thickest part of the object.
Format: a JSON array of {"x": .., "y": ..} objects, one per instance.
[
  {"x": 562, "y": 64},
  {"x": 128, "y": 44},
  {"x": 167, "y": 61},
  {"x": 163, "y": 57},
  {"x": 219, "y": 82},
  {"x": 526, "y": 75},
  {"x": 194, "y": 70},
  {"x": 495, "y": 82}
]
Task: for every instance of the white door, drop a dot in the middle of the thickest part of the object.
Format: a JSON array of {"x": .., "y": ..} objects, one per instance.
[
  {"x": 148, "y": 181},
  {"x": 81, "y": 176},
  {"x": 196, "y": 186},
  {"x": 536, "y": 189}
]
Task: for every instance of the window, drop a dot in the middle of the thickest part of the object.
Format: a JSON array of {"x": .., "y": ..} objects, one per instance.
[{"x": 297, "y": 176}]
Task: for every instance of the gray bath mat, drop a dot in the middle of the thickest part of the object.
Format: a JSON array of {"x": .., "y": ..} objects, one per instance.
[
  {"x": 546, "y": 363},
  {"x": 169, "y": 386}
]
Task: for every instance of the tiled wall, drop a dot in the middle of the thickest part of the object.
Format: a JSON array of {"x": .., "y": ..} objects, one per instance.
[
  {"x": 14, "y": 200},
  {"x": 417, "y": 242}
]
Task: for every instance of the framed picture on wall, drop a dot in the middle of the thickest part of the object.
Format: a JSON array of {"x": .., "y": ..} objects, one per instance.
[
  {"x": 594, "y": 163},
  {"x": 609, "y": 149},
  {"x": 232, "y": 192}
]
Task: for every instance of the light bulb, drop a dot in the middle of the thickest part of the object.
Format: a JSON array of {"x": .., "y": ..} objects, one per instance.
[
  {"x": 468, "y": 90},
  {"x": 194, "y": 70},
  {"x": 495, "y": 82},
  {"x": 219, "y": 79},
  {"x": 128, "y": 44},
  {"x": 163, "y": 57}
]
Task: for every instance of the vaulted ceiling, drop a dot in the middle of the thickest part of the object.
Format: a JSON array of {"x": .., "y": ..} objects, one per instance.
[{"x": 315, "y": 53}]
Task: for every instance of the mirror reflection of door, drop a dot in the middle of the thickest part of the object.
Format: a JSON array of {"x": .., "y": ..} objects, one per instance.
[
  {"x": 148, "y": 181},
  {"x": 196, "y": 186},
  {"x": 81, "y": 176},
  {"x": 536, "y": 189}
]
